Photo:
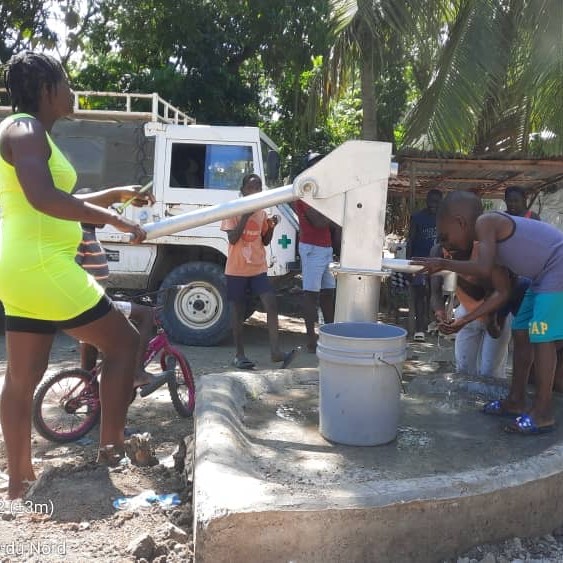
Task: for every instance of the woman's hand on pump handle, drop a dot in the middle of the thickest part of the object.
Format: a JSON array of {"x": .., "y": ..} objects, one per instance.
[{"x": 127, "y": 226}]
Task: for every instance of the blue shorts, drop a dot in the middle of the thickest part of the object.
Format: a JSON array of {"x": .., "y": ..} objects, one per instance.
[
  {"x": 240, "y": 287},
  {"x": 315, "y": 261},
  {"x": 540, "y": 314}
]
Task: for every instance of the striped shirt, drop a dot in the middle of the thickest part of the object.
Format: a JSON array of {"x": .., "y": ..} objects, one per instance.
[{"x": 91, "y": 256}]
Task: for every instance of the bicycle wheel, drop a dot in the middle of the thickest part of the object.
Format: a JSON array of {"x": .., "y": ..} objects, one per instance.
[
  {"x": 182, "y": 387},
  {"x": 66, "y": 405}
]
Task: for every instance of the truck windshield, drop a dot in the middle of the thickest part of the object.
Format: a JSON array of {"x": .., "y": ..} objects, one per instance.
[{"x": 216, "y": 167}]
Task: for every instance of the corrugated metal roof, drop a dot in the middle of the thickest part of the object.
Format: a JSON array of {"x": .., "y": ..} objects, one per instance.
[{"x": 485, "y": 176}]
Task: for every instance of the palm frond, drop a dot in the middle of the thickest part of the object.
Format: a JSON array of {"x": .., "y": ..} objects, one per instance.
[
  {"x": 545, "y": 75},
  {"x": 472, "y": 60}
]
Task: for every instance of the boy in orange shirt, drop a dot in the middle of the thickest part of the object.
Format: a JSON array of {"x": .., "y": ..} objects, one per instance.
[{"x": 246, "y": 271}]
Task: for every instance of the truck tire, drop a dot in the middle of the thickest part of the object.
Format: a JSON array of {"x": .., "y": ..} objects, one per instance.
[{"x": 198, "y": 313}]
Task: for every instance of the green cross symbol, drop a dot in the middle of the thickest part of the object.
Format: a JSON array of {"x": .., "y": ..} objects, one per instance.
[{"x": 284, "y": 242}]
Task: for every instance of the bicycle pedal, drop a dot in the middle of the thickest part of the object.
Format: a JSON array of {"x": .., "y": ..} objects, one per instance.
[{"x": 159, "y": 381}]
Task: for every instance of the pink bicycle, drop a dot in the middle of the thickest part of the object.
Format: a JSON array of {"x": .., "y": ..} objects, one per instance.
[{"x": 66, "y": 405}]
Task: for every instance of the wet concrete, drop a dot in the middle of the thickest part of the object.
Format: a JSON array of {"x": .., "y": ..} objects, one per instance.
[
  {"x": 264, "y": 472},
  {"x": 441, "y": 432}
]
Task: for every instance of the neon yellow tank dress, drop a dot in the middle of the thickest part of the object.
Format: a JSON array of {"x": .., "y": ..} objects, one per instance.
[{"x": 39, "y": 278}]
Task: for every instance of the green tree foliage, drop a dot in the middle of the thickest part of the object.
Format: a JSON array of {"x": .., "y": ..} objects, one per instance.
[
  {"x": 497, "y": 82},
  {"x": 207, "y": 57},
  {"x": 24, "y": 25},
  {"x": 368, "y": 40},
  {"x": 224, "y": 62},
  {"x": 186, "y": 50}
]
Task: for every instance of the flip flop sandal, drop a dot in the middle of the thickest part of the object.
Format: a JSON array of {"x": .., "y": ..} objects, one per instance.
[
  {"x": 495, "y": 408},
  {"x": 243, "y": 363},
  {"x": 525, "y": 425},
  {"x": 288, "y": 357}
]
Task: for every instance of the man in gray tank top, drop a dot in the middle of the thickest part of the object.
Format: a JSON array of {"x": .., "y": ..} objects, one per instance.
[{"x": 527, "y": 248}]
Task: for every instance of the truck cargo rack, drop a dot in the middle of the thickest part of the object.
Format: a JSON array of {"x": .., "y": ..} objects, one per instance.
[{"x": 117, "y": 106}]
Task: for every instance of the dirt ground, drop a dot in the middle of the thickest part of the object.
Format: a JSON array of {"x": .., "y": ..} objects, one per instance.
[{"x": 70, "y": 516}]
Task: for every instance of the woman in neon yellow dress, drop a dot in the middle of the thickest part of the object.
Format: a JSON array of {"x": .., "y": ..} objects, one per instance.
[{"x": 41, "y": 286}]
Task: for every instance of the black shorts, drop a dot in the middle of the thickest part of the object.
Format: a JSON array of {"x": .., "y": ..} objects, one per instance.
[
  {"x": 239, "y": 287},
  {"x": 39, "y": 326}
]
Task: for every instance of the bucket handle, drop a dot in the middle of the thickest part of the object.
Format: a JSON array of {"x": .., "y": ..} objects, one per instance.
[{"x": 398, "y": 373}]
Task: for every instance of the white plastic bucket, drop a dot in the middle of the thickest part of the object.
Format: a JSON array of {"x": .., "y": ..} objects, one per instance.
[{"x": 360, "y": 366}]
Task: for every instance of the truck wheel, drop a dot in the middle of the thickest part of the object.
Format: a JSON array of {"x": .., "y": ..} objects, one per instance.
[{"x": 196, "y": 314}]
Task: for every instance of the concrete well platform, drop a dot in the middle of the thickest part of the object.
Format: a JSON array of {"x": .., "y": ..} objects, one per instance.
[{"x": 269, "y": 488}]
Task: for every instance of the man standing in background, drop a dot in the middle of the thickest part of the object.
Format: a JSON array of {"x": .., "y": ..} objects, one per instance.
[
  {"x": 516, "y": 204},
  {"x": 315, "y": 250},
  {"x": 421, "y": 239}
]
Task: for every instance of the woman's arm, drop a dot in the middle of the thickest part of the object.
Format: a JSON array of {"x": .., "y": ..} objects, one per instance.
[
  {"x": 25, "y": 146},
  {"x": 121, "y": 194}
]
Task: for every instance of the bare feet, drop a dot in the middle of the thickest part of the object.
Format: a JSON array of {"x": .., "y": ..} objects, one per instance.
[
  {"x": 111, "y": 455},
  {"x": 18, "y": 489}
]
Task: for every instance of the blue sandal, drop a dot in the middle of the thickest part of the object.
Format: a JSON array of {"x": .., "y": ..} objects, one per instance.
[
  {"x": 495, "y": 408},
  {"x": 525, "y": 425},
  {"x": 288, "y": 357}
]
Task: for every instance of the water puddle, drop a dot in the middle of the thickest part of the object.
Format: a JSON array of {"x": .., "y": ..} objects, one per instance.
[
  {"x": 292, "y": 413},
  {"x": 455, "y": 403},
  {"x": 409, "y": 438}
]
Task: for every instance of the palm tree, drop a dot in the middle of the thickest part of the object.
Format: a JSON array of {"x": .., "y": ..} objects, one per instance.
[
  {"x": 367, "y": 37},
  {"x": 498, "y": 79}
]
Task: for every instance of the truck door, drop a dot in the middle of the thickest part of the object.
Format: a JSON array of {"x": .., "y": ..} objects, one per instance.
[
  {"x": 205, "y": 173},
  {"x": 209, "y": 173}
]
